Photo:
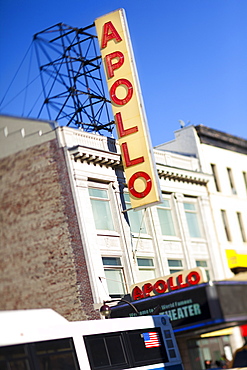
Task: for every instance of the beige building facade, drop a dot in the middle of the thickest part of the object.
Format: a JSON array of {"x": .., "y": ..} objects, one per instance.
[
  {"x": 70, "y": 239},
  {"x": 224, "y": 156}
]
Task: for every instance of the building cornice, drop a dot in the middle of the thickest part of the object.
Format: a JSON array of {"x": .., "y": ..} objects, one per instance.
[
  {"x": 220, "y": 139},
  {"x": 177, "y": 174},
  {"x": 95, "y": 156},
  {"x": 113, "y": 160}
]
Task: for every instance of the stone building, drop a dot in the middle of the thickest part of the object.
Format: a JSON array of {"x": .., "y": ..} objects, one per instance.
[
  {"x": 224, "y": 156},
  {"x": 70, "y": 241}
]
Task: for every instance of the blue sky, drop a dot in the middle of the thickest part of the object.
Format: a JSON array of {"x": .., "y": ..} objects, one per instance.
[{"x": 191, "y": 56}]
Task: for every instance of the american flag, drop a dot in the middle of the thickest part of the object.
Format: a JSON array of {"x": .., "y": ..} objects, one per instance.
[{"x": 151, "y": 340}]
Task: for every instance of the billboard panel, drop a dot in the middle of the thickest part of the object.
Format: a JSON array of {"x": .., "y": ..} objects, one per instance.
[{"x": 128, "y": 109}]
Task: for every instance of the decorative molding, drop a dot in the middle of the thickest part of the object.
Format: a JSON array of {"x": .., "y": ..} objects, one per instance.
[
  {"x": 80, "y": 179},
  {"x": 97, "y": 157},
  {"x": 174, "y": 174}
]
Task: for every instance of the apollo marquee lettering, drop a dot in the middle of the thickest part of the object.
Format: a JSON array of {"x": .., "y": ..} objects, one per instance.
[
  {"x": 128, "y": 111},
  {"x": 171, "y": 283}
]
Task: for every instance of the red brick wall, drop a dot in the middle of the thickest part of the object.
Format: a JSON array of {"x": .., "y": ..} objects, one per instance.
[{"x": 42, "y": 262}]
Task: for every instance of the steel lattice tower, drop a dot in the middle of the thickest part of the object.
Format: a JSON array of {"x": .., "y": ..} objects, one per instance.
[{"x": 71, "y": 77}]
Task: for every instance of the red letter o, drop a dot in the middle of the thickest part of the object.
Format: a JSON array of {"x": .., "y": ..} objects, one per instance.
[
  {"x": 193, "y": 278},
  {"x": 160, "y": 287},
  {"x": 121, "y": 81},
  {"x": 136, "y": 193}
]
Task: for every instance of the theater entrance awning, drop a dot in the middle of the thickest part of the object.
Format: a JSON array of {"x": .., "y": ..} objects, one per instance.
[{"x": 202, "y": 308}]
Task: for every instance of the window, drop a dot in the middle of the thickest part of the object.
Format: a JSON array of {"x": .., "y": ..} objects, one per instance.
[
  {"x": 136, "y": 218},
  {"x": 204, "y": 264},
  {"x": 229, "y": 172},
  {"x": 241, "y": 226},
  {"x": 15, "y": 357},
  {"x": 146, "y": 268},
  {"x": 46, "y": 355},
  {"x": 226, "y": 225},
  {"x": 101, "y": 209},
  {"x": 192, "y": 219},
  {"x": 165, "y": 218},
  {"x": 245, "y": 179},
  {"x": 124, "y": 349},
  {"x": 142, "y": 354},
  {"x": 175, "y": 266},
  {"x": 114, "y": 276},
  {"x": 106, "y": 351},
  {"x": 215, "y": 174},
  {"x": 56, "y": 354}
]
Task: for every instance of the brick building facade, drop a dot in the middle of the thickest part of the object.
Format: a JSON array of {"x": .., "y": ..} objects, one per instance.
[{"x": 42, "y": 261}]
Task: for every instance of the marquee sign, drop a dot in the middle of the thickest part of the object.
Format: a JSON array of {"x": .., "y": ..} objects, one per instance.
[
  {"x": 186, "y": 308},
  {"x": 170, "y": 283},
  {"x": 197, "y": 307},
  {"x": 128, "y": 109}
]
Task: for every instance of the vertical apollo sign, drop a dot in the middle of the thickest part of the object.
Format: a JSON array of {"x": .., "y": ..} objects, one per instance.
[{"x": 128, "y": 109}]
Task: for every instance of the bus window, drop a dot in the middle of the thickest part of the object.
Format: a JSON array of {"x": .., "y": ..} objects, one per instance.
[
  {"x": 146, "y": 346},
  {"x": 131, "y": 348},
  {"x": 106, "y": 351},
  {"x": 56, "y": 354},
  {"x": 116, "y": 350},
  {"x": 47, "y": 355},
  {"x": 14, "y": 358}
]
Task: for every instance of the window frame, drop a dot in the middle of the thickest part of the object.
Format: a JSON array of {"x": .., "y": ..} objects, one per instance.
[
  {"x": 216, "y": 177},
  {"x": 241, "y": 227},
  {"x": 107, "y": 202},
  {"x": 207, "y": 267},
  {"x": 173, "y": 271},
  {"x": 171, "y": 214},
  {"x": 245, "y": 179},
  {"x": 226, "y": 225},
  {"x": 138, "y": 215},
  {"x": 115, "y": 267},
  {"x": 146, "y": 267},
  {"x": 197, "y": 218},
  {"x": 231, "y": 181}
]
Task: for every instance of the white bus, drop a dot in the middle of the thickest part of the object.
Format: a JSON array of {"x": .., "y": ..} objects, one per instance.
[{"x": 44, "y": 340}]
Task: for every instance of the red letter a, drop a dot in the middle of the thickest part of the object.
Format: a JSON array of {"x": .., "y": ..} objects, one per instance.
[
  {"x": 109, "y": 33},
  {"x": 137, "y": 293}
]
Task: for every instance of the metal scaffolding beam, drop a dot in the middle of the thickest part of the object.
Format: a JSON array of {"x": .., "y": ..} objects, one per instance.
[{"x": 71, "y": 77}]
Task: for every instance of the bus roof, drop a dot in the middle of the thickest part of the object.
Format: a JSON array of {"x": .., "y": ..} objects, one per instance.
[{"x": 30, "y": 318}]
